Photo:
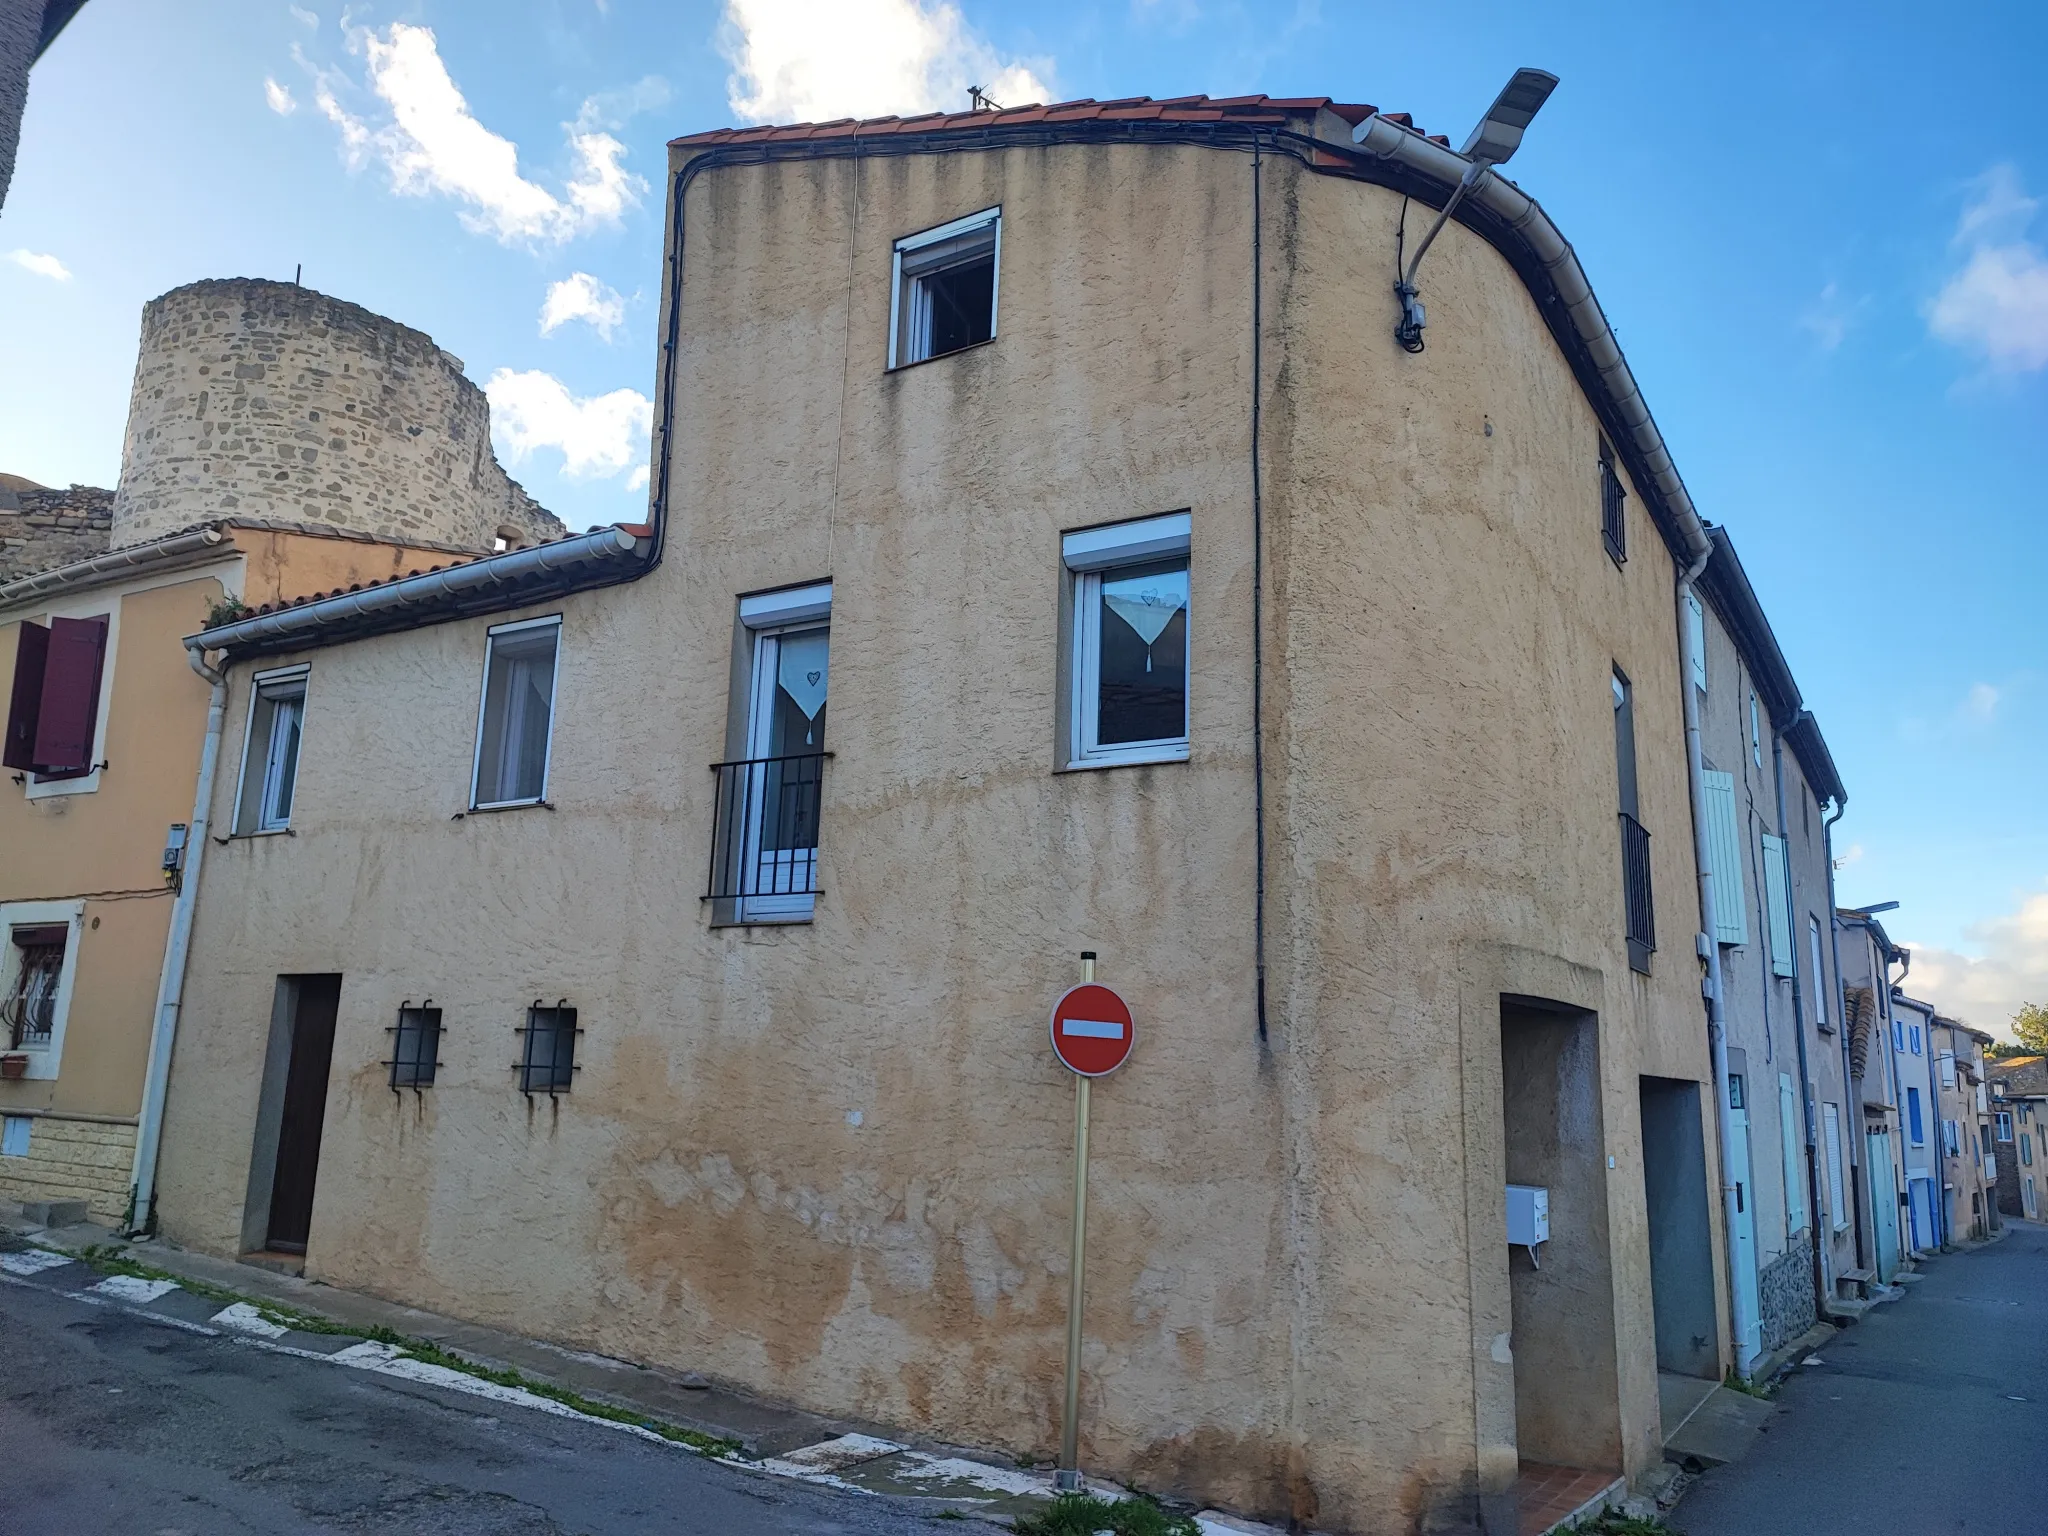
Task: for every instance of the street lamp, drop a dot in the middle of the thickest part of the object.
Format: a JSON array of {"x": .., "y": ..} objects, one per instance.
[{"x": 1492, "y": 143}]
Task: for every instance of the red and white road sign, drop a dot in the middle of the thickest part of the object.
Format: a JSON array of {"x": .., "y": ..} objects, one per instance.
[{"x": 1092, "y": 1032}]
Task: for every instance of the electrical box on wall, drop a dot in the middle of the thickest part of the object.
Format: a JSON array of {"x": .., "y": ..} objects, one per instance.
[{"x": 1528, "y": 1215}]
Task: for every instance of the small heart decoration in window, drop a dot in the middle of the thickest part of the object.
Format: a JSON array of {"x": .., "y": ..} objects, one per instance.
[{"x": 812, "y": 678}]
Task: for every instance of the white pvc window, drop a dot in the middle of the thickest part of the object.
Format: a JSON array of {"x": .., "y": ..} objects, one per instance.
[
  {"x": 1820, "y": 987},
  {"x": 270, "y": 752},
  {"x": 791, "y": 633},
  {"x": 1129, "y": 648},
  {"x": 944, "y": 294},
  {"x": 515, "y": 720}
]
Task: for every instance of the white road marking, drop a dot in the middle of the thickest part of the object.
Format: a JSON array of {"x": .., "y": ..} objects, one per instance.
[
  {"x": 32, "y": 1261},
  {"x": 131, "y": 1288},
  {"x": 243, "y": 1318}
]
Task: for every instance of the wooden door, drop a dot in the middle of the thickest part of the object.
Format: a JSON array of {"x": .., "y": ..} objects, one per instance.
[{"x": 305, "y": 1105}]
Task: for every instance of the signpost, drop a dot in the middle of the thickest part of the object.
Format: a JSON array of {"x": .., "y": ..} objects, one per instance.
[{"x": 1092, "y": 1035}]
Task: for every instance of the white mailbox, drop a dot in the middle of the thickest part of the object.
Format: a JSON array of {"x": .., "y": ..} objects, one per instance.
[{"x": 1528, "y": 1215}]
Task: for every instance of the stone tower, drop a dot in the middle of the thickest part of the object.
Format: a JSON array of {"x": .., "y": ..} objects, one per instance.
[{"x": 267, "y": 400}]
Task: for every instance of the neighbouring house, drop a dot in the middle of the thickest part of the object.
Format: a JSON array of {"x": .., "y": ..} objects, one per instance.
[
  {"x": 1865, "y": 955},
  {"x": 1920, "y": 1155},
  {"x": 616, "y": 988},
  {"x": 1969, "y": 1156},
  {"x": 27, "y": 28},
  {"x": 2018, "y": 1121},
  {"x": 106, "y": 719},
  {"x": 1769, "y": 784}
]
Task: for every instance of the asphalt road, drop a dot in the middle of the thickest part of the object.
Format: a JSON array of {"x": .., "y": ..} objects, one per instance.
[
  {"x": 116, "y": 1424},
  {"x": 1929, "y": 1416}
]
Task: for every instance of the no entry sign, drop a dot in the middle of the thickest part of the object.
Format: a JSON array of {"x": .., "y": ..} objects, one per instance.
[{"x": 1092, "y": 1032}]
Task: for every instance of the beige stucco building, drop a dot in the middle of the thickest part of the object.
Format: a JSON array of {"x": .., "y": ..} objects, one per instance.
[
  {"x": 942, "y": 405},
  {"x": 106, "y": 719}
]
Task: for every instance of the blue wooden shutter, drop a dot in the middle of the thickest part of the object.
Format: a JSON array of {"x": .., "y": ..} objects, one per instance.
[
  {"x": 1778, "y": 896},
  {"x": 1791, "y": 1135},
  {"x": 1724, "y": 860},
  {"x": 71, "y": 695},
  {"x": 31, "y": 655}
]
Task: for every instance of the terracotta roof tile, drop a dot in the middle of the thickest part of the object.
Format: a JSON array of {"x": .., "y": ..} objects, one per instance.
[
  {"x": 638, "y": 530},
  {"x": 1170, "y": 109}
]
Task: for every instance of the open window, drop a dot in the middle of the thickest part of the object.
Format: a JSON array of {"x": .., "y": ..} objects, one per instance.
[
  {"x": 53, "y": 713},
  {"x": 1128, "y": 652},
  {"x": 764, "y": 853},
  {"x": 515, "y": 723},
  {"x": 945, "y": 288},
  {"x": 270, "y": 752}
]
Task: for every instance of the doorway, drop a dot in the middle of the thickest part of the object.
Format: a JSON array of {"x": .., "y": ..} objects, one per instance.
[
  {"x": 1884, "y": 1202},
  {"x": 1567, "y": 1398},
  {"x": 285, "y": 1164},
  {"x": 1676, "y": 1197},
  {"x": 1742, "y": 1228}
]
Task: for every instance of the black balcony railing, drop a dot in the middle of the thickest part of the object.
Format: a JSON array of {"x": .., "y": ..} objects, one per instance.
[
  {"x": 1635, "y": 884},
  {"x": 764, "y": 835}
]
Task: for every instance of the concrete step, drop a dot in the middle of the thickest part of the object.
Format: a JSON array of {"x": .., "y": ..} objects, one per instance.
[{"x": 1724, "y": 1429}]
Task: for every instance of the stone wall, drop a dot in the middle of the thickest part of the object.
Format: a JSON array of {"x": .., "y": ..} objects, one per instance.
[
  {"x": 268, "y": 400},
  {"x": 1786, "y": 1286},
  {"x": 21, "y": 26},
  {"x": 42, "y": 528},
  {"x": 74, "y": 1160}
]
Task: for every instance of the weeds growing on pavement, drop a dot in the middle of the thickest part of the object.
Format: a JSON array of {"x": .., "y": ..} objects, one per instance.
[
  {"x": 1078, "y": 1514},
  {"x": 1748, "y": 1388},
  {"x": 110, "y": 1260},
  {"x": 1615, "y": 1523}
]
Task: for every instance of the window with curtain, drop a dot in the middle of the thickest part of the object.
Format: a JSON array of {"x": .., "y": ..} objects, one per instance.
[{"x": 515, "y": 728}]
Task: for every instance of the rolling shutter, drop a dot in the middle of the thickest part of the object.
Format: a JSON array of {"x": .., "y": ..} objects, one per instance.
[
  {"x": 1724, "y": 860},
  {"x": 31, "y": 655},
  {"x": 1778, "y": 896},
  {"x": 71, "y": 695}
]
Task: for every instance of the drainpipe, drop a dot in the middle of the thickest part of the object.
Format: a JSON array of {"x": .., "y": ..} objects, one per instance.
[
  {"x": 170, "y": 994},
  {"x": 1806, "y": 1104},
  {"x": 1710, "y": 951},
  {"x": 1827, "y": 832}
]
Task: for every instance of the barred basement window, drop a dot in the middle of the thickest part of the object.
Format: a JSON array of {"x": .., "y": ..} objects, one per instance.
[
  {"x": 415, "y": 1045},
  {"x": 547, "y": 1063}
]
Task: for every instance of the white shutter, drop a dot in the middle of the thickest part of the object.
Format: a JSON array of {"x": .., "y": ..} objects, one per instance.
[
  {"x": 1724, "y": 860},
  {"x": 1789, "y": 1131},
  {"x": 1832, "y": 1119},
  {"x": 1778, "y": 897}
]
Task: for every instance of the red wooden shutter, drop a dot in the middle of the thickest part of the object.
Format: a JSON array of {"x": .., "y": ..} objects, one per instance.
[
  {"x": 71, "y": 696},
  {"x": 31, "y": 654}
]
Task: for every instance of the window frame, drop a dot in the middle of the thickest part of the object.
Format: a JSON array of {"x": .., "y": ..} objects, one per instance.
[
  {"x": 547, "y": 762},
  {"x": 1087, "y": 555},
  {"x": 244, "y": 811},
  {"x": 766, "y": 618},
  {"x": 424, "y": 1025},
  {"x": 41, "y": 787},
  {"x": 46, "y": 1059},
  {"x": 1613, "y": 506},
  {"x": 1820, "y": 975},
  {"x": 910, "y": 244},
  {"x": 558, "y": 1082},
  {"x": 2002, "y": 1120}
]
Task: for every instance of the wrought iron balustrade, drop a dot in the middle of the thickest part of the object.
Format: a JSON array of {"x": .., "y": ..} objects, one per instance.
[
  {"x": 764, "y": 829},
  {"x": 1635, "y": 881}
]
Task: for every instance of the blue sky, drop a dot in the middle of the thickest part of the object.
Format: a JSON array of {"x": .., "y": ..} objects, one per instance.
[{"x": 1815, "y": 228}]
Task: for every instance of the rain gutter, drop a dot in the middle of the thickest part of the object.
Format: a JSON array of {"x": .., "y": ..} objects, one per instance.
[{"x": 164, "y": 554}]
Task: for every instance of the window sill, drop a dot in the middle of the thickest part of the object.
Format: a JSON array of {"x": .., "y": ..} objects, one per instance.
[
  {"x": 505, "y": 805},
  {"x": 243, "y": 837},
  {"x": 1137, "y": 757},
  {"x": 48, "y": 789},
  {"x": 972, "y": 346}
]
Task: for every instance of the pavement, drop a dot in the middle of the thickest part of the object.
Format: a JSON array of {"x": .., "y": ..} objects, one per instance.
[
  {"x": 1930, "y": 1415},
  {"x": 206, "y": 1396}
]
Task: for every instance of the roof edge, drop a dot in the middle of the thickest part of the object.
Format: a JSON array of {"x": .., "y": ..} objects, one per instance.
[
  {"x": 1815, "y": 760},
  {"x": 169, "y": 553},
  {"x": 1727, "y": 586}
]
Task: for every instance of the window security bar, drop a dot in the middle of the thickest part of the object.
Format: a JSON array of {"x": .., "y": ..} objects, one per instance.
[
  {"x": 415, "y": 1046},
  {"x": 1635, "y": 877},
  {"x": 764, "y": 828},
  {"x": 31, "y": 1013},
  {"x": 548, "y": 1061}
]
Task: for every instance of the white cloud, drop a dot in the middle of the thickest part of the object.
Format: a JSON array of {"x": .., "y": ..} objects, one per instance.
[
  {"x": 1997, "y": 305},
  {"x": 579, "y": 296},
  {"x": 303, "y": 17},
  {"x": 637, "y": 481},
  {"x": 815, "y": 60},
  {"x": 280, "y": 98},
  {"x": 1829, "y": 317},
  {"x": 597, "y": 436},
  {"x": 433, "y": 144},
  {"x": 40, "y": 263},
  {"x": 1987, "y": 988},
  {"x": 1980, "y": 704}
]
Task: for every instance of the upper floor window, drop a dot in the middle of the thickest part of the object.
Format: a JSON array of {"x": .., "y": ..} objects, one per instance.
[
  {"x": 1613, "y": 527},
  {"x": 1820, "y": 990},
  {"x": 1756, "y": 733},
  {"x": 1696, "y": 639},
  {"x": 1913, "y": 1038},
  {"x": 270, "y": 752},
  {"x": 945, "y": 288},
  {"x": 30, "y": 1006},
  {"x": 1638, "y": 905},
  {"x": 53, "y": 713},
  {"x": 1128, "y": 661},
  {"x": 514, "y": 723},
  {"x": 2004, "y": 1125}
]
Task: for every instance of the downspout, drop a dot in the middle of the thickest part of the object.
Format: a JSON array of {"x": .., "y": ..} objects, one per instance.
[
  {"x": 170, "y": 994},
  {"x": 1741, "y": 1322},
  {"x": 1821, "y": 1287},
  {"x": 1827, "y": 832},
  {"x": 1258, "y": 611}
]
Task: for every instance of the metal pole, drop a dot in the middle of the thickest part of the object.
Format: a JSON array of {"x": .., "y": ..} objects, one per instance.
[{"x": 1068, "y": 1478}]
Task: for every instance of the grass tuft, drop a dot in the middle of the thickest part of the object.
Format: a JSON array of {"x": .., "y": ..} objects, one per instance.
[{"x": 1078, "y": 1514}]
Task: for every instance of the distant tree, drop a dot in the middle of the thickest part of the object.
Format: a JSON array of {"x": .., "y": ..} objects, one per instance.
[{"x": 2030, "y": 1028}]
